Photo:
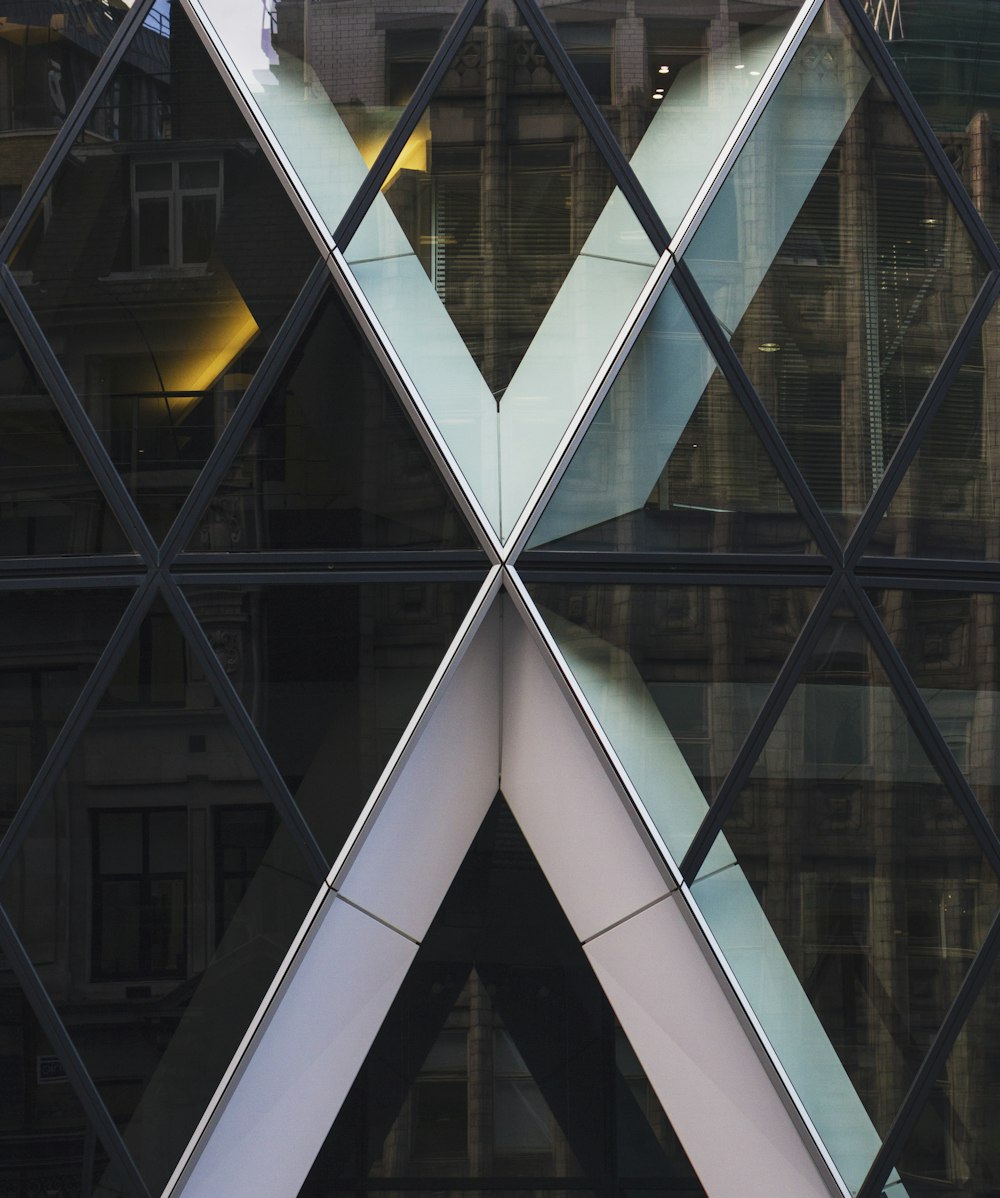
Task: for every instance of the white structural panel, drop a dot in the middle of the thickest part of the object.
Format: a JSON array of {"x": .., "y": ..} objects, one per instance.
[{"x": 272, "y": 1120}]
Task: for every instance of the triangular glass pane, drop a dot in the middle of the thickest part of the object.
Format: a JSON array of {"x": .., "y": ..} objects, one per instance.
[
  {"x": 500, "y": 1065},
  {"x": 332, "y": 462},
  {"x": 948, "y": 502},
  {"x": 834, "y": 253},
  {"x": 500, "y": 260},
  {"x": 676, "y": 676},
  {"x": 49, "y": 643},
  {"x": 848, "y": 894},
  {"x": 947, "y": 641},
  {"x": 160, "y": 264},
  {"x": 50, "y": 503},
  {"x": 48, "y": 1145},
  {"x": 671, "y": 461},
  {"x": 157, "y": 892},
  {"x": 954, "y": 1149},
  {"x": 330, "y": 675},
  {"x": 330, "y": 90},
  {"x": 671, "y": 83},
  {"x": 49, "y": 51}
]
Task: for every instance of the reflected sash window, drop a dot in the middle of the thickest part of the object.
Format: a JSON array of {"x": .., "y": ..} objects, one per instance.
[{"x": 175, "y": 209}]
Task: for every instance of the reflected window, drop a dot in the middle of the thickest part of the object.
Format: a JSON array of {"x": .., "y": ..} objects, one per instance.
[
  {"x": 140, "y": 894},
  {"x": 175, "y": 209},
  {"x": 242, "y": 837},
  {"x": 671, "y": 47}
]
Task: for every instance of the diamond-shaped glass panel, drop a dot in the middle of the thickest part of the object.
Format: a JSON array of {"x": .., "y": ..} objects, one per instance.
[
  {"x": 676, "y": 676},
  {"x": 501, "y": 1057},
  {"x": 48, "y": 51},
  {"x": 50, "y": 503},
  {"x": 499, "y": 259},
  {"x": 331, "y": 675},
  {"x": 160, "y": 264},
  {"x": 48, "y": 1145},
  {"x": 834, "y": 253},
  {"x": 948, "y": 640},
  {"x": 948, "y": 502},
  {"x": 331, "y": 87},
  {"x": 332, "y": 462},
  {"x": 955, "y": 1147},
  {"x": 671, "y": 82},
  {"x": 156, "y": 892},
  {"x": 49, "y": 643},
  {"x": 671, "y": 461},
  {"x": 848, "y": 894}
]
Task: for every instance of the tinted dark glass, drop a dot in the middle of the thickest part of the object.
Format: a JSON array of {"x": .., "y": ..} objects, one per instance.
[
  {"x": 114, "y": 896},
  {"x": 865, "y": 869},
  {"x": 501, "y": 1061},
  {"x": 846, "y": 297},
  {"x": 671, "y": 460},
  {"x": 331, "y": 675},
  {"x": 332, "y": 462},
  {"x": 160, "y": 294}
]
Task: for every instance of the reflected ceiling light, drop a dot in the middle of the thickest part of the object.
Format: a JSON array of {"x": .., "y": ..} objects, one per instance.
[
  {"x": 664, "y": 70},
  {"x": 930, "y": 220},
  {"x": 739, "y": 66},
  {"x": 769, "y": 347},
  {"x": 755, "y": 72}
]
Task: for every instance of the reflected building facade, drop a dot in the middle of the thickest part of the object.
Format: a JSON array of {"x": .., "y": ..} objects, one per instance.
[{"x": 332, "y": 330}]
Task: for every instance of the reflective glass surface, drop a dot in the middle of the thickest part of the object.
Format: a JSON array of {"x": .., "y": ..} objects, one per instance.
[
  {"x": 48, "y": 51},
  {"x": 156, "y": 893},
  {"x": 331, "y": 80},
  {"x": 671, "y": 461},
  {"x": 499, "y": 259},
  {"x": 948, "y": 639},
  {"x": 948, "y": 503},
  {"x": 500, "y": 1065},
  {"x": 846, "y": 854},
  {"x": 331, "y": 675},
  {"x": 676, "y": 676},
  {"x": 955, "y": 1148},
  {"x": 332, "y": 462},
  {"x": 160, "y": 264},
  {"x": 834, "y": 253},
  {"x": 48, "y": 1146},
  {"x": 50, "y": 503},
  {"x": 49, "y": 643},
  {"x": 671, "y": 82}
]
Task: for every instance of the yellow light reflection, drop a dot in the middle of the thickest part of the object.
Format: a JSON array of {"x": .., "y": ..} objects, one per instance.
[{"x": 213, "y": 345}]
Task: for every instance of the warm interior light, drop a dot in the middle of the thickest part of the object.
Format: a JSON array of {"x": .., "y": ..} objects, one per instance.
[
  {"x": 769, "y": 347},
  {"x": 664, "y": 70}
]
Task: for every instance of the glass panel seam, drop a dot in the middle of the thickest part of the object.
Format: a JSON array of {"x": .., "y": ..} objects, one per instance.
[
  {"x": 246, "y": 734},
  {"x": 68, "y": 132},
  {"x": 67, "y": 736},
  {"x": 762, "y": 727},
  {"x": 254, "y": 398},
  {"x": 95, "y": 456},
  {"x": 916, "y": 433},
  {"x": 79, "y": 1077}
]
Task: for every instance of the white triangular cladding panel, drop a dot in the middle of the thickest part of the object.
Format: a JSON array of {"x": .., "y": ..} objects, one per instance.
[
  {"x": 305, "y": 1054},
  {"x": 726, "y": 1105}
]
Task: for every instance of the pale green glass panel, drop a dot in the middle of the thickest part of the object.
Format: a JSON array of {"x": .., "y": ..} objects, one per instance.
[
  {"x": 331, "y": 89},
  {"x": 834, "y": 257}
]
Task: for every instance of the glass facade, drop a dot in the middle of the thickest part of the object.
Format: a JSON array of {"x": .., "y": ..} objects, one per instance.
[{"x": 354, "y": 355}]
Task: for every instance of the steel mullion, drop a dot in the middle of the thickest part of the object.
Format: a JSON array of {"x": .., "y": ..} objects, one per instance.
[
  {"x": 914, "y": 580},
  {"x": 249, "y": 738},
  {"x": 258, "y": 392},
  {"x": 83, "y": 1086},
  {"x": 928, "y": 408},
  {"x": 921, "y": 128},
  {"x": 655, "y": 577},
  {"x": 66, "y": 738},
  {"x": 924, "y": 726},
  {"x": 921, "y": 1088},
  {"x": 327, "y": 577},
  {"x": 729, "y": 363},
  {"x": 46, "y": 572},
  {"x": 71, "y": 128},
  {"x": 769, "y": 714},
  {"x": 54, "y": 379},
  {"x": 414, "y": 110},
  {"x": 601, "y": 561},
  {"x": 375, "y": 560},
  {"x": 595, "y": 124}
]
